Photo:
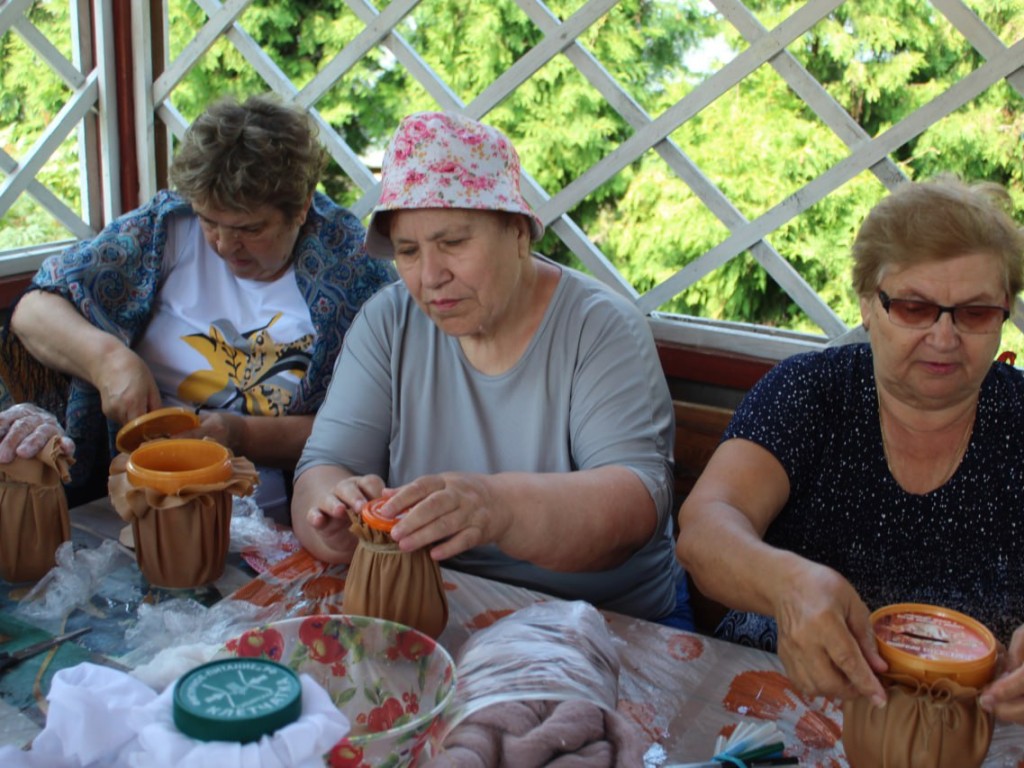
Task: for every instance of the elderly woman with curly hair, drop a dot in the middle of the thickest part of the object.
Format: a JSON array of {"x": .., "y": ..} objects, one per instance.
[{"x": 230, "y": 294}]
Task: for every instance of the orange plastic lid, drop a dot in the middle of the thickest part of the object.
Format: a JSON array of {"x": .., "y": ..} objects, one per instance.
[
  {"x": 372, "y": 519},
  {"x": 929, "y": 642},
  {"x": 162, "y": 422}
]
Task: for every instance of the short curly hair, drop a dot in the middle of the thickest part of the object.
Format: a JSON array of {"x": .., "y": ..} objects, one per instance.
[
  {"x": 240, "y": 157},
  {"x": 934, "y": 220}
]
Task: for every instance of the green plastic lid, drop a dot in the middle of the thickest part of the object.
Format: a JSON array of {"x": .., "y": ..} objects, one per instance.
[{"x": 237, "y": 700}]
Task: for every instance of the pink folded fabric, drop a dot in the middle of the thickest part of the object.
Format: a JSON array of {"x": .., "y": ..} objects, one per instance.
[{"x": 532, "y": 734}]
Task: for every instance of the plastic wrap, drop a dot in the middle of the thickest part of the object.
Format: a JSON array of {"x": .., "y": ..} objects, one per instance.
[
  {"x": 253, "y": 530},
  {"x": 260, "y": 541},
  {"x": 550, "y": 651},
  {"x": 538, "y": 683},
  {"x": 174, "y": 635},
  {"x": 70, "y": 584}
]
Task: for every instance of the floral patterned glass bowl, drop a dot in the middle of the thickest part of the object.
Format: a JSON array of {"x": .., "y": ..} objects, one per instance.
[{"x": 393, "y": 682}]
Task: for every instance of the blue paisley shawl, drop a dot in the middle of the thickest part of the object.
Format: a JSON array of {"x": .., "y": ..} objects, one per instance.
[{"x": 113, "y": 279}]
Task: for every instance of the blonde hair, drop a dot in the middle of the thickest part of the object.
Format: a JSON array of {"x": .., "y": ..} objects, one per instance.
[{"x": 935, "y": 220}]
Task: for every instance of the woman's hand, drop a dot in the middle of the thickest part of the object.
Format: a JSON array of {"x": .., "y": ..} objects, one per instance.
[
  {"x": 323, "y": 495},
  {"x": 1004, "y": 698},
  {"x": 226, "y": 427},
  {"x": 350, "y": 493},
  {"x": 268, "y": 441},
  {"x": 24, "y": 430},
  {"x": 450, "y": 513},
  {"x": 126, "y": 385},
  {"x": 825, "y": 639}
]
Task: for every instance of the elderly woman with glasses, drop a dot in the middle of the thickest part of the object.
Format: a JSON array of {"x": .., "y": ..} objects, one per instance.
[
  {"x": 870, "y": 474},
  {"x": 512, "y": 408}
]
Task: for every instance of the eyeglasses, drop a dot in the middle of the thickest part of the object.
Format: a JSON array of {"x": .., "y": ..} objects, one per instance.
[{"x": 968, "y": 318}]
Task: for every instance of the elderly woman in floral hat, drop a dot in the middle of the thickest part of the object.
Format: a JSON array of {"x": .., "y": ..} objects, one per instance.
[{"x": 512, "y": 411}]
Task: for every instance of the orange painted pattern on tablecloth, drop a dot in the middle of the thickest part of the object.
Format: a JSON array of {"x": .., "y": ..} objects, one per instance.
[
  {"x": 768, "y": 695},
  {"x": 761, "y": 693},
  {"x": 259, "y": 593},
  {"x": 285, "y": 584},
  {"x": 298, "y": 565},
  {"x": 684, "y": 647},
  {"x": 818, "y": 731}
]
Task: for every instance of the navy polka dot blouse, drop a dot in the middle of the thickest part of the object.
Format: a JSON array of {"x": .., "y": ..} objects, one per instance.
[{"x": 958, "y": 546}]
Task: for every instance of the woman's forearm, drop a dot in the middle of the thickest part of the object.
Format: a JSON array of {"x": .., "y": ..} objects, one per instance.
[
  {"x": 588, "y": 520},
  {"x": 274, "y": 441},
  {"x": 722, "y": 525},
  {"x": 728, "y": 560},
  {"x": 57, "y": 335}
]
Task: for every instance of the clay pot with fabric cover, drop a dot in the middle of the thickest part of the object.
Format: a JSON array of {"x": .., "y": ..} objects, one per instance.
[
  {"x": 177, "y": 495},
  {"x": 386, "y": 583},
  {"x": 938, "y": 724},
  {"x": 33, "y": 512}
]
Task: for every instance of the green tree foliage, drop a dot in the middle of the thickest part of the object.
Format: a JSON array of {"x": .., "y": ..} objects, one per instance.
[
  {"x": 30, "y": 96},
  {"x": 559, "y": 123},
  {"x": 757, "y": 145},
  {"x": 879, "y": 59}
]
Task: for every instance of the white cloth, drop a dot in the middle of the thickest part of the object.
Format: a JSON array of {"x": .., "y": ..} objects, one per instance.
[{"x": 103, "y": 718}]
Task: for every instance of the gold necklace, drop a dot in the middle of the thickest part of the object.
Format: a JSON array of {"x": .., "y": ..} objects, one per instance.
[{"x": 957, "y": 455}]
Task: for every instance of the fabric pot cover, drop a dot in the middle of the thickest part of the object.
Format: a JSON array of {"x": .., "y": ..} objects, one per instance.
[
  {"x": 33, "y": 513},
  {"x": 181, "y": 540},
  {"x": 923, "y": 725},
  {"x": 387, "y": 583}
]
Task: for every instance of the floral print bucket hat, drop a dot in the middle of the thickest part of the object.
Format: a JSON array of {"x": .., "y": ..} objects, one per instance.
[{"x": 446, "y": 160}]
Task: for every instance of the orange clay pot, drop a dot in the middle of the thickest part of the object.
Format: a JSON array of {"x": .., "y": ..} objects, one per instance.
[{"x": 170, "y": 465}]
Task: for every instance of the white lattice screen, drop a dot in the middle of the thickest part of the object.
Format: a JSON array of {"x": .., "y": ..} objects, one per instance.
[{"x": 90, "y": 113}]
